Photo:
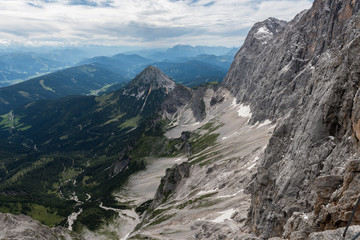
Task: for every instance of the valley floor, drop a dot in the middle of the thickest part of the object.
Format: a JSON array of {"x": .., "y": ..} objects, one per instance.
[
  {"x": 139, "y": 188},
  {"x": 212, "y": 203}
]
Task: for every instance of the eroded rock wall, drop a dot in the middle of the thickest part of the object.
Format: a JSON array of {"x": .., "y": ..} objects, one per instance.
[{"x": 305, "y": 74}]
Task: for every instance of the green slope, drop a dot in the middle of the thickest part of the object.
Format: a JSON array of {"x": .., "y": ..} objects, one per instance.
[{"x": 77, "y": 145}]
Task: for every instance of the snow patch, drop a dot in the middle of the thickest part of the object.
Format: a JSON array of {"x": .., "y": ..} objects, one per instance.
[
  {"x": 233, "y": 104},
  {"x": 265, "y": 123},
  {"x": 263, "y": 149},
  {"x": 252, "y": 166},
  {"x": 229, "y": 136},
  {"x": 226, "y": 215},
  {"x": 126, "y": 236},
  {"x": 140, "y": 95},
  {"x": 264, "y": 30},
  {"x": 178, "y": 160},
  {"x": 255, "y": 159},
  {"x": 304, "y": 216},
  {"x": 232, "y": 195},
  {"x": 244, "y": 111},
  {"x": 207, "y": 192},
  {"x": 262, "y": 33},
  {"x": 197, "y": 123}
]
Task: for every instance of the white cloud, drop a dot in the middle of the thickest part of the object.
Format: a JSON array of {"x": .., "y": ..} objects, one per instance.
[{"x": 138, "y": 22}]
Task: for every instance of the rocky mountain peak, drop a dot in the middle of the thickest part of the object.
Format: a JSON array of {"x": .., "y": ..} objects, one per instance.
[
  {"x": 264, "y": 31},
  {"x": 154, "y": 78}
]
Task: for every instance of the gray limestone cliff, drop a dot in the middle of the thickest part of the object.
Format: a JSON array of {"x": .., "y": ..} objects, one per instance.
[
  {"x": 304, "y": 74},
  {"x": 169, "y": 183}
]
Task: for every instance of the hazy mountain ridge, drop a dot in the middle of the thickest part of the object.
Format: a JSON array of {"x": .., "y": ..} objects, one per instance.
[
  {"x": 223, "y": 61},
  {"x": 127, "y": 66},
  {"x": 181, "y": 51},
  {"x": 21, "y": 66},
  {"x": 190, "y": 71},
  {"x": 22, "y": 63},
  {"x": 81, "y": 80}
]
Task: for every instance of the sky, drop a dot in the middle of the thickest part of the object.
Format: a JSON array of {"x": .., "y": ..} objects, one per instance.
[{"x": 146, "y": 23}]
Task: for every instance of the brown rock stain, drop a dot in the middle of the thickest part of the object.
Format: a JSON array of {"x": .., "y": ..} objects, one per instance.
[
  {"x": 149, "y": 92},
  {"x": 347, "y": 12},
  {"x": 312, "y": 47},
  {"x": 356, "y": 128}
]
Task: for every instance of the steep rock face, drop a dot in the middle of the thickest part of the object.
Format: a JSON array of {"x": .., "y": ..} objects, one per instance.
[
  {"x": 306, "y": 75},
  {"x": 169, "y": 183},
  {"x": 177, "y": 100}
]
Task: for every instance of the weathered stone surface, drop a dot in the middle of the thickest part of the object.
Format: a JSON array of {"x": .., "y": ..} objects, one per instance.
[
  {"x": 335, "y": 234},
  {"x": 173, "y": 178},
  {"x": 24, "y": 227},
  {"x": 306, "y": 74},
  {"x": 176, "y": 100},
  {"x": 334, "y": 211}
]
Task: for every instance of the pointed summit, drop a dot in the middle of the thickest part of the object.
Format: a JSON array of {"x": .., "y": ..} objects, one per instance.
[
  {"x": 262, "y": 32},
  {"x": 154, "y": 78}
]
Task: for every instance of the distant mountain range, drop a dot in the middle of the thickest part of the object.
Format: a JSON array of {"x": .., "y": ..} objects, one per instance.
[
  {"x": 192, "y": 73},
  {"x": 223, "y": 61},
  {"x": 104, "y": 74},
  {"x": 80, "y": 80},
  {"x": 185, "y": 68},
  {"x": 125, "y": 65},
  {"x": 19, "y": 65},
  {"x": 181, "y": 51}
]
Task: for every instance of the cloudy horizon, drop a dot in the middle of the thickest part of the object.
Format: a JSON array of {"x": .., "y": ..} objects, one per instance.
[{"x": 146, "y": 23}]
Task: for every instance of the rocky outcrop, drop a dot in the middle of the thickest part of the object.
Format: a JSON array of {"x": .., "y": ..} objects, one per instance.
[
  {"x": 120, "y": 164},
  {"x": 305, "y": 74},
  {"x": 170, "y": 182},
  {"x": 335, "y": 234},
  {"x": 333, "y": 208},
  {"x": 24, "y": 227},
  {"x": 176, "y": 101}
]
